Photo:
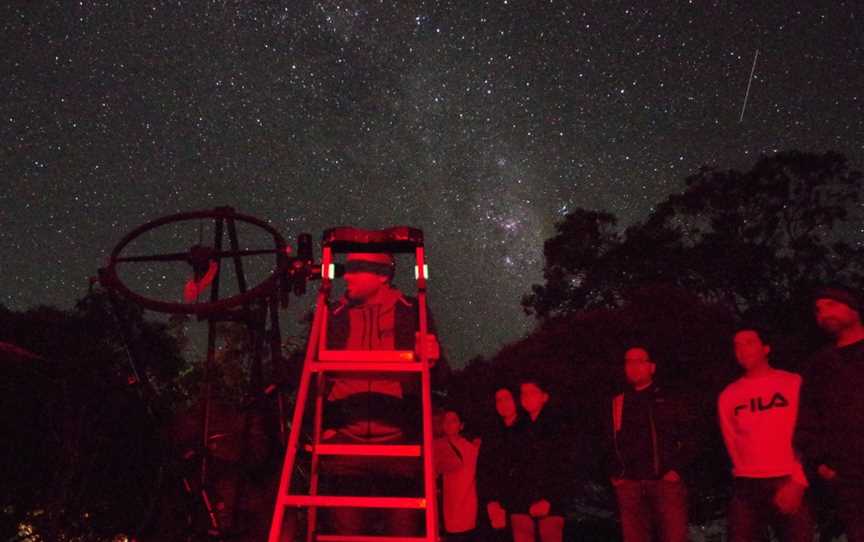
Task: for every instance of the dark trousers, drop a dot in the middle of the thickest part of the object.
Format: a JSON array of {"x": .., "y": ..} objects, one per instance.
[
  {"x": 648, "y": 505},
  {"x": 752, "y": 508},
  {"x": 373, "y": 476},
  {"x": 849, "y": 496},
  {"x": 467, "y": 536}
]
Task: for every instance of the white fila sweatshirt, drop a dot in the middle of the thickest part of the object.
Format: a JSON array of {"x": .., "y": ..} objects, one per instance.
[{"x": 757, "y": 417}]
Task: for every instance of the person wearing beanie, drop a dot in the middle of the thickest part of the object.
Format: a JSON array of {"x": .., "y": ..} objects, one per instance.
[
  {"x": 757, "y": 415},
  {"x": 375, "y": 408},
  {"x": 830, "y": 432},
  {"x": 650, "y": 443}
]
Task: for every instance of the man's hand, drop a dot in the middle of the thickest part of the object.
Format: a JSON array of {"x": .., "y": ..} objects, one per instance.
[
  {"x": 671, "y": 476},
  {"x": 539, "y": 509},
  {"x": 826, "y": 472},
  {"x": 432, "y": 348},
  {"x": 788, "y": 498},
  {"x": 497, "y": 515}
]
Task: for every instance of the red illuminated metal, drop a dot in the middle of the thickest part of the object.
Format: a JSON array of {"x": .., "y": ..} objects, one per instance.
[
  {"x": 358, "y": 538},
  {"x": 379, "y": 356},
  {"x": 365, "y": 367},
  {"x": 338, "y": 501},
  {"x": 369, "y": 450}
]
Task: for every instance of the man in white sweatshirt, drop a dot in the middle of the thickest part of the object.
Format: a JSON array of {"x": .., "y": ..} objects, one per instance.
[{"x": 757, "y": 415}]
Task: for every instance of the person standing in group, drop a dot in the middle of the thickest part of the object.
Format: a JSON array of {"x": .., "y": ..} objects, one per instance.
[
  {"x": 540, "y": 462},
  {"x": 830, "y": 431},
  {"x": 456, "y": 461},
  {"x": 757, "y": 415},
  {"x": 650, "y": 444},
  {"x": 497, "y": 478}
]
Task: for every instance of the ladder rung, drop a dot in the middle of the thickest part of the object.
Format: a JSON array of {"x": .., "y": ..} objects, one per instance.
[
  {"x": 380, "y": 450},
  {"x": 380, "y": 356},
  {"x": 365, "y": 367},
  {"x": 367, "y": 538},
  {"x": 334, "y": 501}
]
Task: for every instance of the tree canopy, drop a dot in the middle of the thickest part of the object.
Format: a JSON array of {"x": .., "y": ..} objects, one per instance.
[{"x": 755, "y": 240}]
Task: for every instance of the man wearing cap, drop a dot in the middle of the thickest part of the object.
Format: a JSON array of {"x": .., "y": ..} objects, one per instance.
[
  {"x": 375, "y": 409},
  {"x": 830, "y": 431}
]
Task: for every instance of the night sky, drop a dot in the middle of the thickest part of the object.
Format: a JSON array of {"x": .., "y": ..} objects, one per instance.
[{"x": 480, "y": 122}]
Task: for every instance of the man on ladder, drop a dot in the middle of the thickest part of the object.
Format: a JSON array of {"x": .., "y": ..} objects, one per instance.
[
  {"x": 372, "y": 354},
  {"x": 374, "y": 315}
]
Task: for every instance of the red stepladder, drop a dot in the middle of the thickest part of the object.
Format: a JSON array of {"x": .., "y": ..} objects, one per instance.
[{"x": 321, "y": 363}]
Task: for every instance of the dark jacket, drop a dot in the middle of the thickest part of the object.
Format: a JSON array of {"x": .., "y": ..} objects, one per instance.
[
  {"x": 670, "y": 429},
  {"x": 369, "y": 405},
  {"x": 830, "y": 427},
  {"x": 541, "y": 464},
  {"x": 497, "y": 479}
]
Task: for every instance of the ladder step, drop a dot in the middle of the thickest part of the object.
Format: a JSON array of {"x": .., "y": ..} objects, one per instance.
[
  {"x": 380, "y": 356},
  {"x": 334, "y": 501},
  {"x": 365, "y": 367},
  {"x": 366, "y": 538},
  {"x": 380, "y": 450}
]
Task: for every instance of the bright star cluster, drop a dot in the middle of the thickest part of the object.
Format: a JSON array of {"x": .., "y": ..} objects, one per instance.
[{"x": 481, "y": 122}]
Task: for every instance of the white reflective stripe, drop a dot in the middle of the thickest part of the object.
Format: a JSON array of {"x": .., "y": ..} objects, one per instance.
[
  {"x": 425, "y": 272},
  {"x": 331, "y": 271}
]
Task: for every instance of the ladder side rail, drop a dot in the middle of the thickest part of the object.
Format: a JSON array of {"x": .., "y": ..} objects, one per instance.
[
  {"x": 428, "y": 463},
  {"x": 312, "y": 511},
  {"x": 291, "y": 449},
  {"x": 318, "y": 321},
  {"x": 321, "y": 381}
]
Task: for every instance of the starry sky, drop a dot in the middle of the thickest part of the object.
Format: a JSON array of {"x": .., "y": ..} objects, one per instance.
[{"x": 481, "y": 122}]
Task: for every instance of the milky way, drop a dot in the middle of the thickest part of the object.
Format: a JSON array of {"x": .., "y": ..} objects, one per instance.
[{"x": 483, "y": 123}]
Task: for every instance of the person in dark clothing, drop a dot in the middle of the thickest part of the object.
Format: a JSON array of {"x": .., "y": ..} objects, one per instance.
[
  {"x": 496, "y": 475},
  {"x": 374, "y": 408},
  {"x": 538, "y": 503},
  {"x": 830, "y": 430},
  {"x": 651, "y": 442}
]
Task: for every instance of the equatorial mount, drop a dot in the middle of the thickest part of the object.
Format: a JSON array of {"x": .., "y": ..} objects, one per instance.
[{"x": 286, "y": 271}]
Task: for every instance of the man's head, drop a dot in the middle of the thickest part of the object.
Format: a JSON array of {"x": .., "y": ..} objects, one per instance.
[
  {"x": 751, "y": 348},
  {"x": 638, "y": 367},
  {"x": 837, "y": 309},
  {"x": 366, "y": 273},
  {"x": 505, "y": 405}
]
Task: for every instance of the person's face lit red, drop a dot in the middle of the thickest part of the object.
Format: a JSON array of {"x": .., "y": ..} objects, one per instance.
[
  {"x": 532, "y": 398},
  {"x": 638, "y": 367},
  {"x": 834, "y": 316},
  {"x": 363, "y": 285},
  {"x": 452, "y": 425},
  {"x": 505, "y": 405},
  {"x": 750, "y": 351}
]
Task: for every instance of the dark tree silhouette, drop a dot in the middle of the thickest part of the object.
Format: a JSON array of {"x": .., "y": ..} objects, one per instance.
[
  {"x": 85, "y": 458},
  {"x": 754, "y": 241}
]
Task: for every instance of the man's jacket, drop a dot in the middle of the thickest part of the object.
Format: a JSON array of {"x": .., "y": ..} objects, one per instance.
[
  {"x": 830, "y": 428},
  {"x": 665, "y": 431},
  {"x": 374, "y": 407}
]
